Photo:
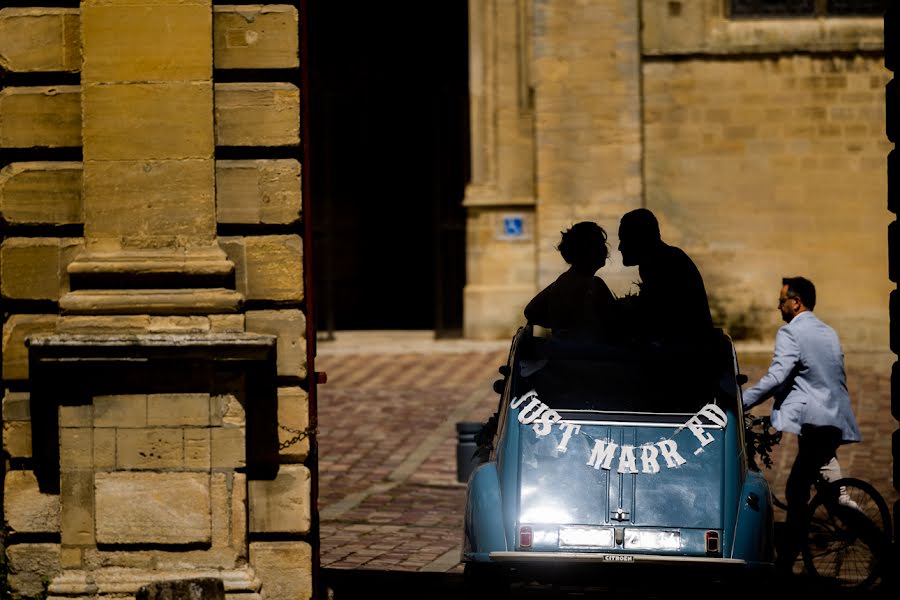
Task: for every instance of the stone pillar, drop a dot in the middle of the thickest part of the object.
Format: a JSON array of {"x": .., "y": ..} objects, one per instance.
[
  {"x": 148, "y": 142},
  {"x": 587, "y": 62},
  {"x": 155, "y": 429},
  {"x": 500, "y": 199},
  {"x": 556, "y": 139}
]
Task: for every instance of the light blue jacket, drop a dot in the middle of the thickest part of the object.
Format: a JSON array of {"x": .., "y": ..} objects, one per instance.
[{"x": 807, "y": 379}]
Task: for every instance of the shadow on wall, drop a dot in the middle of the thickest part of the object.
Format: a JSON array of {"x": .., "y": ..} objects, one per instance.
[{"x": 741, "y": 323}]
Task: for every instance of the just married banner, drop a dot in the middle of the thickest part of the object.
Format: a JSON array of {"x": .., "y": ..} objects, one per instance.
[{"x": 605, "y": 452}]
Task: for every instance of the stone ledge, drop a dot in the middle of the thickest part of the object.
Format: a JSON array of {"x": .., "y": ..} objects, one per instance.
[
  {"x": 700, "y": 27},
  {"x": 120, "y": 581},
  {"x": 151, "y": 301}
]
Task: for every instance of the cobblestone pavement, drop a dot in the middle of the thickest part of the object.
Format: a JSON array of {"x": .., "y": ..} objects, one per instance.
[{"x": 388, "y": 495}]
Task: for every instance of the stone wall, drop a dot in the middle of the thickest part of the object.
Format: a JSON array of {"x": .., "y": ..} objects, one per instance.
[
  {"x": 764, "y": 155},
  {"x": 759, "y": 143},
  {"x": 892, "y": 118},
  {"x": 143, "y": 232},
  {"x": 763, "y": 168}
]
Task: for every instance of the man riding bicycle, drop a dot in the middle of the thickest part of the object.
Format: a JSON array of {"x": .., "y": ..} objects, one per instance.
[{"x": 809, "y": 386}]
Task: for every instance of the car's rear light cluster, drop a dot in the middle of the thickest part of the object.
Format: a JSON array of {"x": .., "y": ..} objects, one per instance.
[
  {"x": 526, "y": 537},
  {"x": 712, "y": 542}
]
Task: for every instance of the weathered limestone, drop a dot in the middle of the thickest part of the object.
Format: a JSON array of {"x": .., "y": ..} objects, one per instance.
[
  {"x": 257, "y": 114},
  {"x": 149, "y": 172},
  {"x": 293, "y": 420},
  {"x": 155, "y": 301},
  {"x": 501, "y": 272},
  {"x": 39, "y": 39},
  {"x": 77, "y": 499},
  {"x": 701, "y": 27},
  {"x": 16, "y": 406},
  {"x": 29, "y": 567},
  {"x": 587, "y": 104},
  {"x": 170, "y": 120},
  {"x": 153, "y": 408},
  {"x": 35, "y": 268},
  {"x": 769, "y": 139},
  {"x": 256, "y": 37},
  {"x": 210, "y": 588},
  {"x": 151, "y": 41},
  {"x": 25, "y": 508},
  {"x": 136, "y": 324},
  {"x": 161, "y": 508},
  {"x": 41, "y": 193},
  {"x": 281, "y": 505},
  {"x": 503, "y": 167},
  {"x": 246, "y": 37},
  {"x": 285, "y": 568},
  {"x": 40, "y": 116},
  {"x": 258, "y": 191},
  {"x": 227, "y": 448},
  {"x": 267, "y": 267},
  {"x": 226, "y": 410},
  {"x": 17, "y": 424},
  {"x": 175, "y": 198},
  {"x": 290, "y": 328},
  {"x": 15, "y": 330},
  {"x": 174, "y": 410},
  {"x": 17, "y": 439},
  {"x": 247, "y": 114},
  {"x": 150, "y": 449},
  {"x": 240, "y": 583}
]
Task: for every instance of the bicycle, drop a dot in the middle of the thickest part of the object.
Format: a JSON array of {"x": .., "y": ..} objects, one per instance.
[{"x": 849, "y": 535}]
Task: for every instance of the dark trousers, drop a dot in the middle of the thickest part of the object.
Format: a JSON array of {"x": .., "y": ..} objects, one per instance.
[{"x": 816, "y": 446}]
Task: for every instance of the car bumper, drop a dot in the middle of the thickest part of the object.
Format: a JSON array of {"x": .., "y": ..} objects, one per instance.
[{"x": 611, "y": 558}]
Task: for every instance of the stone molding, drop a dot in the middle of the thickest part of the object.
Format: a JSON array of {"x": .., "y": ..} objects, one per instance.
[
  {"x": 703, "y": 27},
  {"x": 239, "y": 583}
]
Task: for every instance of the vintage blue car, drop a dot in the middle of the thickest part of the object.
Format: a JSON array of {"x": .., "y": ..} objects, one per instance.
[{"x": 611, "y": 460}]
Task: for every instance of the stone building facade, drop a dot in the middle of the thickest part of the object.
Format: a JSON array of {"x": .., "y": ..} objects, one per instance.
[
  {"x": 157, "y": 372},
  {"x": 156, "y": 389},
  {"x": 759, "y": 143}
]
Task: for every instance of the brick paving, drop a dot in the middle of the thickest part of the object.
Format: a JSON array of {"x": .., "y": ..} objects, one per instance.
[{"x": 388, "y": 495}]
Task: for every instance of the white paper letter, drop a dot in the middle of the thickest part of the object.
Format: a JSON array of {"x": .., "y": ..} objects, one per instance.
[
  {"x": 532, "y": 411},
  {"x": 648, "y": 459},
  {"x": 516, "y": 402},
  {"x": 696, "y": 427},
  {"x": 669, "y": 451},
  {"x": 602, "y": 454},
  {"x": 626, "y": 460},
  {"x": 548, "y": 418},
  {"x": 568, "y": 430},
  {"x": 715, "y": 414}
]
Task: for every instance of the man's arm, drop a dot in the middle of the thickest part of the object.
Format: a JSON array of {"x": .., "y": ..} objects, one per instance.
[{"x": 787, "y": 354}]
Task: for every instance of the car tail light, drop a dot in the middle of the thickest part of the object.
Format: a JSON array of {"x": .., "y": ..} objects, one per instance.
[
  {"x": 712, "y": 542},
  {"x": 526, "y": 537}
]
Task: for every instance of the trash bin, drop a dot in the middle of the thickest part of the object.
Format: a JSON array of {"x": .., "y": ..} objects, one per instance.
[{"x": 465, "y": 449}]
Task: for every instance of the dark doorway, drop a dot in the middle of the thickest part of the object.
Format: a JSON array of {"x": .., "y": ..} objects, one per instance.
[{"x": 389, "y": 160}]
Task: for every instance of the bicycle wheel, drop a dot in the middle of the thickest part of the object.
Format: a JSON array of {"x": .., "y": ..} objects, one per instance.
[{"x": 848, "y": 544}]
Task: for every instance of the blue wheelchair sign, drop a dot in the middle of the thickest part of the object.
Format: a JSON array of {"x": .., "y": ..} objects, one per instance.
[{"x": 513, "y": 226}]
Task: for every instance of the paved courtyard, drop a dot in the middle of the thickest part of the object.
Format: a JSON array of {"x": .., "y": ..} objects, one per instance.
[{"x": 388, "y": 495}]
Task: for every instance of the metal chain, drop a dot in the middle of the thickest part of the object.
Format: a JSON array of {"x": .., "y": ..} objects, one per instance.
[{"x": 299, "y": 434}]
